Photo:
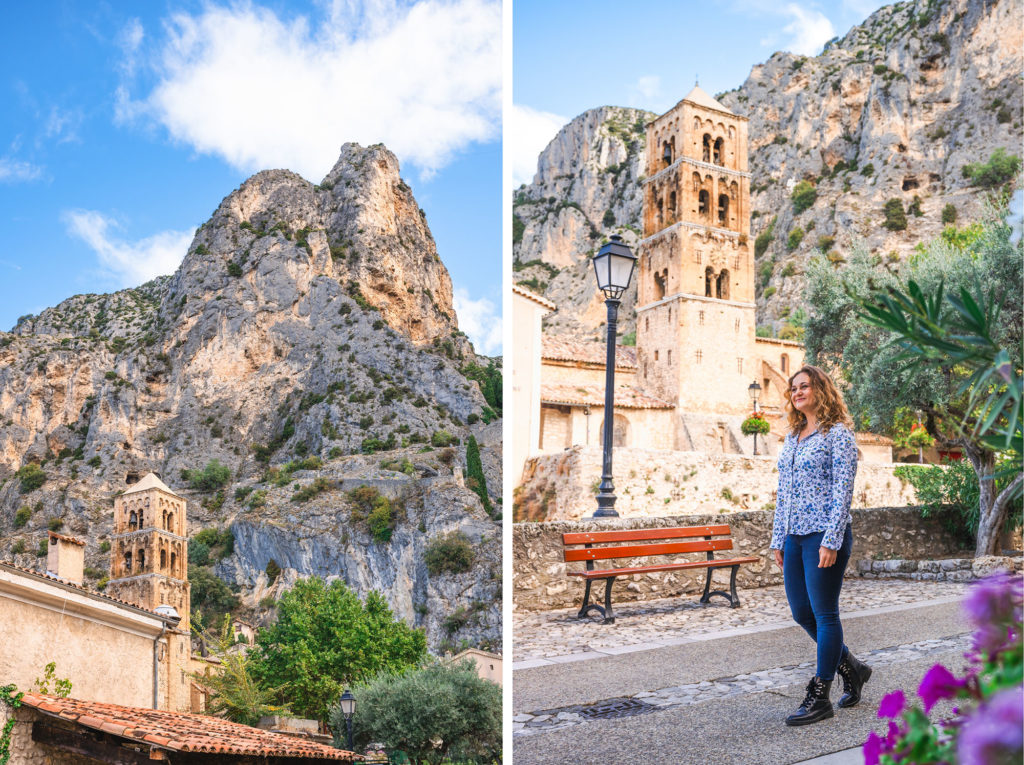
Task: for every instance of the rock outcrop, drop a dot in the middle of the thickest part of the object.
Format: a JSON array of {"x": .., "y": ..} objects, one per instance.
[
  {"x": 306, "y": 321},
  {"x": 893, "y": 110}
]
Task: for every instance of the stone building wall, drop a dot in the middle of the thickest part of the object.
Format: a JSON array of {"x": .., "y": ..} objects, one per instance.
[
  {"x": 25, "y": 751},
  {"x": 653, "y": 483},
  {"x": 539, "y": 572}
]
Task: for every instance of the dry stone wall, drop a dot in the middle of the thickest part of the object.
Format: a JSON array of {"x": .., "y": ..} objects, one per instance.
[
  {"x": 539, "y": 573},
  {"x": 654, "y": 483}
]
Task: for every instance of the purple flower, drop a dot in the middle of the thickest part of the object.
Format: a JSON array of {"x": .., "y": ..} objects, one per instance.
[
  {"x": 872, "y": 749},
  {"x": 892, "y": 704},
  {"x": 938, "y": 683},
  {"x": 995, "y": 734},
  {"x": 995, "y": 600}
]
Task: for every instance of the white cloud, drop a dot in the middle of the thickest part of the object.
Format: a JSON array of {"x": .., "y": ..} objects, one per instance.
[
  {"x": 63, "y": 125},
  {"x": 529, "y": 132},
  {"x": 14, "y": 170},
  {"x": 244, "y": 84},
  {"x": 648, "y": 87},
  {"x": 128, "y": 263},
  {"x": 479, "y": 320},
  {"x": 808, "y": 31}
]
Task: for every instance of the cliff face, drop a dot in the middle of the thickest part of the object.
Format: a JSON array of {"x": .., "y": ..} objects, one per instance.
[
  {"x": 586, "y": 188},
  {"x": 893, "y": 110},
  {"x": 304, "y": 321}
]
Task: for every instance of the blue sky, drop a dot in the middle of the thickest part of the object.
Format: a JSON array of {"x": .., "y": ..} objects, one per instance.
[
  {"x": 125, "y": 124},
  {"x": 570, "y": 57}
]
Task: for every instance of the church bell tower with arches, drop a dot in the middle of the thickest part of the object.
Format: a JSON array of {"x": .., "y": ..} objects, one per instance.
[{"x": 696, "y": 328}]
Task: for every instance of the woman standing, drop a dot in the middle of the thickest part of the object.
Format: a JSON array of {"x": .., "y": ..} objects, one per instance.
[{"x": 811, "y": 535}]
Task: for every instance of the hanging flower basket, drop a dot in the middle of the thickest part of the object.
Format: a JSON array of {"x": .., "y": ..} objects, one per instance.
[
  {"x": 919, "y": 437},
  {"x": 755, "y": 423}
]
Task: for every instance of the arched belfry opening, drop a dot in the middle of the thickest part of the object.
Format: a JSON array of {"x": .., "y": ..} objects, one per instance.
[
  {"x": 672, "y": 206},
  {"x": 661, "y": 211},
  {"x": 706, "y": 153},
  {"x": 703, "y": 202},
  {"x": 709, "y": 277},
  {"x": 660, "y": 280},
  {"x": 719, "y": 152},
  {"x": 723, "y": 209},
  {"x": 133, "y": 520},
  {"x": 722, "y": 285},
  {"x": 666, "y": 154}
]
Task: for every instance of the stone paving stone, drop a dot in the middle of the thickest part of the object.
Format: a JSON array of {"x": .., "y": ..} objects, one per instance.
[
  {"x": 738, "y": 685},
  {"x": 554, "y": 634}
]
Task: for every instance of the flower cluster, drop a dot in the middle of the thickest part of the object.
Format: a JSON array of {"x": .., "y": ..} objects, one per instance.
[
  {"x": 988, "y": 723},
  {"x": 755, "y": 423},
  {"x": 919, "y": 437}
]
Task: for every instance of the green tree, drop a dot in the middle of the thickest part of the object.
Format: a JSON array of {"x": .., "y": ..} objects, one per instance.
[
  {"x": 325, "y": 638},
  {"x": 1000, "y": 169},
  {"x": 959, "y": 383},
  {"x": 475, "y": 474},
  {"x": 452, "y": 553},
  {"x": 803, "y": 196},
  {"x": 234, "y": 691},
  {"x": 211, "y": 598},
  {"x": 412, "y": 712},
  {"x": 490, "y": 379}
]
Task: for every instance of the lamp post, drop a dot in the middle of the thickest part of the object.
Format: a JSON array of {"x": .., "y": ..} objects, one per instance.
[
  {"x": 348, "y": 708},
  {"x": 755, "y": 393},
  {"x": 613, "y": 267}
]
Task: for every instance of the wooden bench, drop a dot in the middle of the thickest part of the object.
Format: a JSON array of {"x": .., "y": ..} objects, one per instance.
[{"x": 661, "y": 543}]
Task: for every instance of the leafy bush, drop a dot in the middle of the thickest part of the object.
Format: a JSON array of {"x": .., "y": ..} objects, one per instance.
[
  {"x": 220, "y": 542},
  {"x": 765, "y": 238},
  {"x": 31, "y": 477},
  {"x": 795, "y": 237},
  {"x": 490, "y": 379},
  {"x": 105, "y": 546},
  {"x": 198, "y": 553},
  {"x": 518, "y": 227},
  {"x": 475, "y": 473},
  {"x": 212, "y": 477},
  {"x": 234, "y": 269},
  {"x": 211, "y": 597},
  {"x": 273, "y": 571},
  {"x": 21, "y": 517},
  {"x": 451, "y": 553},
  {"x": 895, "y": 215},
  {"x": 1000, "y": 168},
  {"x": 376, "y": 510},
  {"x": 868, "y": 170},
  {"x": 306, "y": 493},
  {"x": 55, "y": 524},
  {"x": 258, "y": 498},
  {"x": 949, "y": 213},
  {"x": 414, "y": 711},
  {"x": 803, "y": 196},
  {"x": 442, "y": 438}
]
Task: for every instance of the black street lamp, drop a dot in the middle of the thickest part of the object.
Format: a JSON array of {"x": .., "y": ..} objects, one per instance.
[
  {"x": 348, "y": 708},
  {"x": 755, "y": 393},
  {"x": 613, "y": 266}
]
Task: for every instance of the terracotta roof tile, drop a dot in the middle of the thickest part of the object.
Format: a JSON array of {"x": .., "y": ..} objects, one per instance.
[
  {"x": 72, "y": 540},
  {"x": 626, "y": 396},
  {"x": 567, "y": 348},
  {"x": 534, "y": 297},
  {"x": 182, "y": 732}
]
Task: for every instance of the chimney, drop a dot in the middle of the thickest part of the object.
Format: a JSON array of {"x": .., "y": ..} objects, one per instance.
[{"x": 65, "y": 558}]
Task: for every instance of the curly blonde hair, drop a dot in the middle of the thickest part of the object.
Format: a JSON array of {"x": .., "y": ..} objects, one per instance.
[{"x": 831, "y": 409}]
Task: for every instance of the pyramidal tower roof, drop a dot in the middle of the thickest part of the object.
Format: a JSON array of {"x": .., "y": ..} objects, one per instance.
[
  {"x": 700, "y": 97},
  {"x": 149, "y": 481}
]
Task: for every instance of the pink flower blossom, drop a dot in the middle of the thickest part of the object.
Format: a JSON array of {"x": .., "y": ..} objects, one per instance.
[
  {"x": 892, "y": 704},
  {"x": 938, "y": 683},
  {"x": 873, "y": 749}
]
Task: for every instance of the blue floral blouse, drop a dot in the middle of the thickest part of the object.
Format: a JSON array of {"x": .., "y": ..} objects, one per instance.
[{"x": 815, "y": 486}]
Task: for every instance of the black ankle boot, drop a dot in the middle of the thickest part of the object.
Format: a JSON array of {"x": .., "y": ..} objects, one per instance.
[
  {"x": 854, "y": 673},
  {"x": 816, "y": 705}
]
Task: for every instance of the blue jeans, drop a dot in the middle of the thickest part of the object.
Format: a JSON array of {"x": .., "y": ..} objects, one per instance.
[{"x": 813, "y": 595}]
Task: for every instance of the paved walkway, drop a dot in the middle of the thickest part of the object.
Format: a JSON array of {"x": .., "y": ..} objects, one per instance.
[{"x": 715, "y": 683}]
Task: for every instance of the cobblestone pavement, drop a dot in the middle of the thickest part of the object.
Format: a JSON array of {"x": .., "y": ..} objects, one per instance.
[
  {"x": 764, "y": 681},
  {"x": 552, "y": 636}
]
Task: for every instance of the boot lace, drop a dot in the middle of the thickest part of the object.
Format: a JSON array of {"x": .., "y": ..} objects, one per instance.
[
  {"x": 845, "y": 671},
  {"x": 814, "y": 688}
]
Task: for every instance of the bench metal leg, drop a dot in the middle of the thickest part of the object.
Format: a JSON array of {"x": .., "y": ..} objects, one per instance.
[
  {"x": 606, "y": 610},
  {"x": 731, "y": 596}
]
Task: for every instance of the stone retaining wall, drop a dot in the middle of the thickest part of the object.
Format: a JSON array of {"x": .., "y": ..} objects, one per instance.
[
  {"x": 539, "y": 573},
  {"x": 949, "y": 570},
  {"x": 656, "y": 483}
]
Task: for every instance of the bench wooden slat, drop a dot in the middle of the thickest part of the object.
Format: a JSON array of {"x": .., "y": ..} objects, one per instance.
[
  {"x": 717, "y": 563},
  {"x": 635, "y": 535},
  {"x": 635, "y": 551}
]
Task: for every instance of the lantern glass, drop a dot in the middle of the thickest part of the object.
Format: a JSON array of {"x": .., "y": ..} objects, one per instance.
[
  {"x": 613, "y": 267},
  {"x": 755, "y": 391},
  {"x": 348, "y": 704}
]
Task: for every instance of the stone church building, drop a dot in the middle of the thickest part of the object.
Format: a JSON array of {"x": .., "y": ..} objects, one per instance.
[{"x": 685, "y": 385}]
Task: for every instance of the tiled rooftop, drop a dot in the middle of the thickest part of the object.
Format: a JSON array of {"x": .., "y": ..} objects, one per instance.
[
  {"x": 626, "y": 396},
  {"x": 182, "y": 732},
  {"x": 559, "y": 348}
]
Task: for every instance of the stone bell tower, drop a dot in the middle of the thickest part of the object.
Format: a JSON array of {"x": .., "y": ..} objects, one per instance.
[
  {"x": 149, "y": 550},
  {"x": 695, "y": 291}
]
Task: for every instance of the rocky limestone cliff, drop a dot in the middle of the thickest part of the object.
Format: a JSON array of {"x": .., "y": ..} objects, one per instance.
[
  {"x": 305, "y": 321},
  {"x": 586, "y": 188},
  {"x": 892, "y": 110}
]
